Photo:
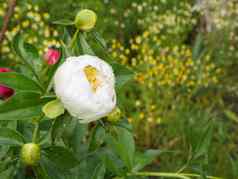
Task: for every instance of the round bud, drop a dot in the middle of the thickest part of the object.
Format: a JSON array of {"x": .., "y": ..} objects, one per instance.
[
  {"x": 85, "y": 20},
  {"x": 52, "y": 56},
  {"x": 30, "y": 154},
  {"x": 5, "y": 92},
  {"x": 115, "y": 115}
]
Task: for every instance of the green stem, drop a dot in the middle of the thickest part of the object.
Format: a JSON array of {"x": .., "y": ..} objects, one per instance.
[
  {"x": 171, "y": 175},
  {"x": 36, "y": 129},
  {"x": 35, "y": 133},
  {"x": 158, "y": 174},
  {"x": 196, "y": 175},
  {"x": 71, "y": 44}
]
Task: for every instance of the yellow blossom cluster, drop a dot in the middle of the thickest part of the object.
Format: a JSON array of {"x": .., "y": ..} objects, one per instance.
[
  {"x": 166, "y": 66},
  {"x": 34, "y": 24},
  {"x": 168, "y": 23}
]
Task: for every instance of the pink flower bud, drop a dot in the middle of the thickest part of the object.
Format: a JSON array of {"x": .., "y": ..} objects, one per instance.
[
  {"x": 52, "y": 56},
  {"x": 5, "y": 92},
  {"x": 5, "y": 70}
]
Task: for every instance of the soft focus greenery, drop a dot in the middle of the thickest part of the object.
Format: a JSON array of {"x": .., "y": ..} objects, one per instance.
[{"x": 183, "y": 99}]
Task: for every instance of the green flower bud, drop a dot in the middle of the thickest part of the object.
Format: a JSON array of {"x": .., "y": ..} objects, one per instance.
[
  {"x": 85, "y": 19},
  {"x": 115, "y": 115},
  {"x": 30, "y": 154}
]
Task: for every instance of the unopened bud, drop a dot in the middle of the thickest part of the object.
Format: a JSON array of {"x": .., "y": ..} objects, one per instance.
[
  {"x": 5, "y": 92},
  {"x": 52, "y": 56},
  {"x": 85, "y": 20},
  {"x": 30, "y": 154},
  {"x": 115, "y": 115}
]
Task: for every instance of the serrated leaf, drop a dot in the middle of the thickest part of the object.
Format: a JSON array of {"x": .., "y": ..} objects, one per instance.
[{"x": 10, "y": 137}]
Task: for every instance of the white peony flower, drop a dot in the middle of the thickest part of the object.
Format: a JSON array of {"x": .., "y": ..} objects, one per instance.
[{"x": 86, "y": 87}]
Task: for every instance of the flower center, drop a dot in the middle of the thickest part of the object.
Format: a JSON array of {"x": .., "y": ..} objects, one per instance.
[{"x": 91, "y": 74}]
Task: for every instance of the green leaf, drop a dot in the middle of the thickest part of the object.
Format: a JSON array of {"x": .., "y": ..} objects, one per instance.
[
  {"x": 231, "y": 115},
  {"x": 41, "y": 172},
  {"x": 99, "y": 172},
  {"x": 98, "y": 137},
  {"x": 53, "y": 109},
  {"x": 21, "y": 106},
  {"x": 28, "y": 53},
  {"x": 85, "y": 46},
  {"x": 7, "y": 174},
  {"x": 10, "y": 137},
  {"x": 58, "y": 126},
  {"x": 50, "y": 169},
  {"x": 61, "y": 157},
  {"x": 76, "y": 140},
  {"x": 112, "y": 162},
  {"x": 100, "y": 39},
  {"x": 3, "y": 153},
  {"x": 122, "y": 143},
  {"x": 123, "y": 74},
  {"x": 204, "y": 141},
  {"x": 18, "y": 81},
  {"x": 143, "y": 159},
  {"x": 198, "y": 46},
  {"x": 234, "y": 164},
  {"x": 64, "y": 22}
]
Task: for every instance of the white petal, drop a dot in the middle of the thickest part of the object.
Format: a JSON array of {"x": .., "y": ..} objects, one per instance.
[{"x": 75, "y": 92}]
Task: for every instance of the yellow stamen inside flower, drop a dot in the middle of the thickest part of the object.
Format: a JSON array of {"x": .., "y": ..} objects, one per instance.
[{"x": 91, "y": 74}]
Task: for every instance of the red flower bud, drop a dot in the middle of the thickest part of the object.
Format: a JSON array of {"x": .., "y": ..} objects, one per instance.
[
  {"x": 52, "y": 56},
  {"x": 5, "y": 70},
  {"x": 5, "y": 92}
]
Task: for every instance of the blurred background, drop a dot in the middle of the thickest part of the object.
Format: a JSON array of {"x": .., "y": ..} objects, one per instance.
[{"x": 183, "y": 99}]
